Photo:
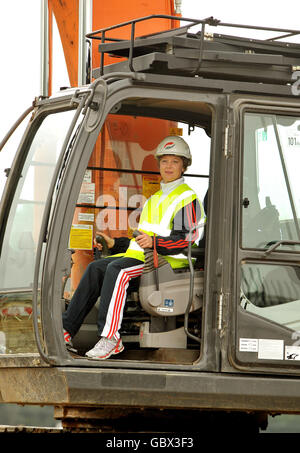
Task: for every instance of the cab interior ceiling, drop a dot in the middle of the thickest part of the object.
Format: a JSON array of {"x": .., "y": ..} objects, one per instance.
[{"x": 190, "y": 112}]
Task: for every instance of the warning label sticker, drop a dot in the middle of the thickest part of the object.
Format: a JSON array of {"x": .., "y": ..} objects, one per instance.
[
  {"x": 86, "y": 217},
  {"x": 81, "y": 237},
  {"x": 166, "y": 309},
  {"x": 248, "y": 344},
  {"x": 270, "y": 349},
  {"x": 151, "y": 184},
  {"x": 292, "y": 353},
  {"x": 87, "y": 193}
]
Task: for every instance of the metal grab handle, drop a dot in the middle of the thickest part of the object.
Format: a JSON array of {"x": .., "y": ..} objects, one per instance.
[
  {"x": 277, "y": 244},
  {"x": 175, "y": 31},
  {"x": 191, "y": 293}
]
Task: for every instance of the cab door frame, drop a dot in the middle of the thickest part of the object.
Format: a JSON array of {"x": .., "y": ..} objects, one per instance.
[
  {"x": 58, "y": 235},
  {"x": 234, "y": 315}
]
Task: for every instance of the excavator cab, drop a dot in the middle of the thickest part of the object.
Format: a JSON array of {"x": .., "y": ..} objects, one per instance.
[
  {"x": 86, "y": 164},
  {"x": 221, "y": 334}
]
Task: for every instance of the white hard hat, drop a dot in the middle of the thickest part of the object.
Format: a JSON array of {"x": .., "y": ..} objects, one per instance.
[{"x": 174, "y": 145}]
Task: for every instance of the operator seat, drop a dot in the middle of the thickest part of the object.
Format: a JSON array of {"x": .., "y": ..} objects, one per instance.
[{"x": 164, "y": 294}]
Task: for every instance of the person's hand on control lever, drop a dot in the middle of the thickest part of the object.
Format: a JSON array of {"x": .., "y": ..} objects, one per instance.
[
  {"x": 144, "y": 240},
  {"x": 110, "y": 241}
]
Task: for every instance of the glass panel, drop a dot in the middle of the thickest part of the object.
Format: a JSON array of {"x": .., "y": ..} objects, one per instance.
[
  {"x": 273, "y": 292},
  {"x": 271, "y": 192},
  {"x": 22, "y": 232},
  {"x": 199, "y": 143},
  {"x": 7, "y": 154},
  {"x": 122, "y": 173}
]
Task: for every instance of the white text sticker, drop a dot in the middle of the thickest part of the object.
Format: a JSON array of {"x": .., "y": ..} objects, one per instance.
[
  {"x": 248, "y": 344},
  {"x": 270, "y": 349}
]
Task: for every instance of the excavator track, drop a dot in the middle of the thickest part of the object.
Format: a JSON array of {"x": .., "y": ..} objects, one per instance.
[{"x": 29, "y": 429}]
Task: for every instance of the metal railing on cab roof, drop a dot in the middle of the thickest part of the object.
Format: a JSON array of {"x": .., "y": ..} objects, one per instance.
[{"x": 211, "y": 21}]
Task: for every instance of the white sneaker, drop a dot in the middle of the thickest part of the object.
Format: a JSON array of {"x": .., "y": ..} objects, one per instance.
[{"x": 105, "y": 348}]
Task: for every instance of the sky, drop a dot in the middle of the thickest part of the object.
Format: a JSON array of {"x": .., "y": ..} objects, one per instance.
[{"x": 20, "y": 47}]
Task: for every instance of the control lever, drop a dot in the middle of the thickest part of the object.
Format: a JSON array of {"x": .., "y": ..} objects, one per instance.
[
  {"x": 157, "y": 294},
  {"x": 136, "y": 233},
  {"x": 100, "y": 240}
]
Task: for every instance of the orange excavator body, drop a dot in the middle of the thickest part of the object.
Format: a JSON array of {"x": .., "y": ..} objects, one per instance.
[{"x": 106, "y": 14}]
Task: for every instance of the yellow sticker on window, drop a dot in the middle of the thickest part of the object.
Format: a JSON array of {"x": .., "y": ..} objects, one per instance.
[
  {"x": 151, "y": 184},
  {"x": 81, "y": 237}
]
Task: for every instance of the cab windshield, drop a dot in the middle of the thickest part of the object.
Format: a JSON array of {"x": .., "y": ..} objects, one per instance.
[{"x": 271, "y": 190}]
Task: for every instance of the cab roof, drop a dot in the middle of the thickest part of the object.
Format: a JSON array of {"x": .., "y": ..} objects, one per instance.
[{"x": 201, "y": 54}]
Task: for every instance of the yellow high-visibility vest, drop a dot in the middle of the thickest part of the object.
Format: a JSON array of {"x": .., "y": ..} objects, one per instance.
[{"x": 157, "y": 217}]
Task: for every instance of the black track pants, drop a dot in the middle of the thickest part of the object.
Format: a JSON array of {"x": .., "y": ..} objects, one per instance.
[{"x": 108, "y": 278}]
